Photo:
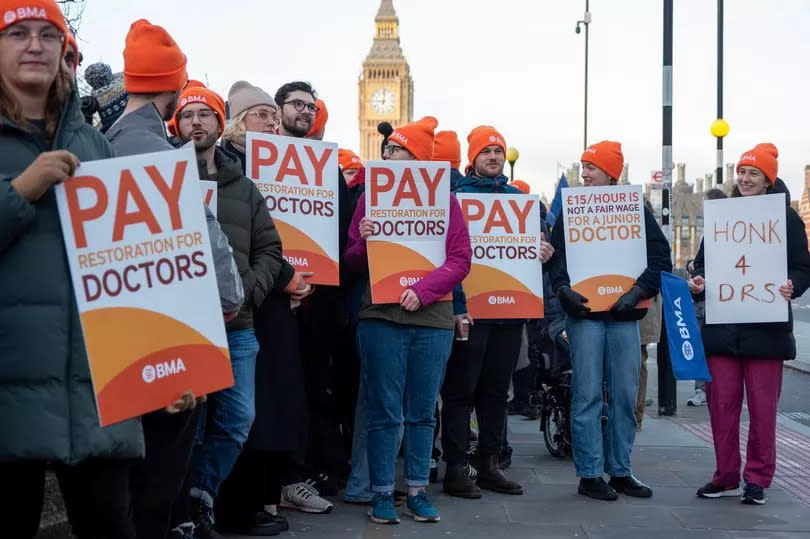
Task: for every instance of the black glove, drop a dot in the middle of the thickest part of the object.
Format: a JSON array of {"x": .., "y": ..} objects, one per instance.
[
  {"x": 628, "y": 301},
  {"x": 572, "y": 302}
]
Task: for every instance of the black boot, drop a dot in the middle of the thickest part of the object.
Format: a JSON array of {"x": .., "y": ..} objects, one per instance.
[
  {"x": 456, "y": 483},
  {"x": 630, "y": 486},
  {"x": 203, "y": 516},
  {"x": 596, "y": 488},
  {"x": 490, "y": 477}
]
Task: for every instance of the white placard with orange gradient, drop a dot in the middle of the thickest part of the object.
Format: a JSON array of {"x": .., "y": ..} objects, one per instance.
[
  {"x": 605, "y": 241},
  {"x": 298, "y": 179},
  {"x": 506, "y": 278},
  {"x": 409, "y": 203},
  {"x": 143, "y": 276},
  {"x": 209, "y": 194}
]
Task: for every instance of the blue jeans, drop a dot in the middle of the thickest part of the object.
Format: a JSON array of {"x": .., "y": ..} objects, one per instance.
[
  {"x": 358, "y": 487},
  {"x": 226, "y": 417},
  {"x": 611, "y": 351},
  {"x": 403, "y": 370}
]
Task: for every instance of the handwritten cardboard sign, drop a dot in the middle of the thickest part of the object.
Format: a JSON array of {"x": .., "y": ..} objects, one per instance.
[
  {"x": 506, "y": 278},
  {"x": 409, "y": 204},
  {"x": 605, "y": 241},
  {"x": 143, "y": 276},
  {"x": 298, "y": 179},
  {"x": 746, "y": 259}
]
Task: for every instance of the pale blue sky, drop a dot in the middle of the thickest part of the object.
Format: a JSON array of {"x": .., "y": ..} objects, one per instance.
[{"x": 514, "y": 64}]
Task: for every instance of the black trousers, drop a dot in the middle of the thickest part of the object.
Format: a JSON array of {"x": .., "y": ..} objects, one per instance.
[
  {"x": 157, "y": 481},
  {"x": 254, "y": 482},
  {"x": 478, "y": 375},
  {"x": 96, "y": 495}
]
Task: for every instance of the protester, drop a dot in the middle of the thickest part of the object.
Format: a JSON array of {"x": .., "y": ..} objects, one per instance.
[
  {"x": 46, "y": 395},
  {"x": 241, "y": 211},
  {"x": 108, "y": 91},
  {"x": 480, "y": 369},
  {"x": 605, "y": 346},
  {"x": 154, "y": 74},
  {"x": 751, "y": 356},
  {"x": 350, "y": 164},
  {"x": 447, "y": 148},
  {"x": 251, "y": 109},
  {"x": 404, "y": 348},
  {"x": 318, "y": 129}
]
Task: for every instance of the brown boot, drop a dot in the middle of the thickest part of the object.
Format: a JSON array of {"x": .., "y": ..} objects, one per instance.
[{"x": 490, "y": 477}]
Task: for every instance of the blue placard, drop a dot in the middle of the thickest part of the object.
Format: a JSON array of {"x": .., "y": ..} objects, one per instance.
[{"x": 683, "y": 333}]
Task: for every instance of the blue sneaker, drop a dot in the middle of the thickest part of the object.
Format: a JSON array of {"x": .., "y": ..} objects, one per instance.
[
  {"x": 382, "y": 509},
  {"x": 420, "y": 509}
]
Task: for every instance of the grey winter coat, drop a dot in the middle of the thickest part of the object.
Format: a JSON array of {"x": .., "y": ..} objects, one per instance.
[{"x": 47, "y": 406}]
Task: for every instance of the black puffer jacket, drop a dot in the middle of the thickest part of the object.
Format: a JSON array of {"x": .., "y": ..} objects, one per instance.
[
  {"x": 764, "y": 340},
  {"x": 256, "y": 245}
]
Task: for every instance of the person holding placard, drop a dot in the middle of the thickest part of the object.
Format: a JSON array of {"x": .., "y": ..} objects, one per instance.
[
  {"x": 748, "y": 357},
  {"x": 46, "y": 394},
  {"x": 606, "y": 346},
  {"x": 404, "y": 347},
  {"x": 480, "y": 369}
]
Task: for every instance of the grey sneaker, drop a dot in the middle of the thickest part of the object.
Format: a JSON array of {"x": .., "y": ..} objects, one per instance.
[
  {"x": 698, "y": 399},
  {"x": 304, "y": 498}
]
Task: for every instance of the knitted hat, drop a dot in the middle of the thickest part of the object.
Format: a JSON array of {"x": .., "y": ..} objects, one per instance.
[
  {"x": 14, "y": 11},
  {"x": 243, "y": 96},
  {"x": 607, "y": 155},
  {"x": 522, "y": 186},
  {"x": 109, "y": 91},
  {"x": 348, "y": 160},
  {"x": 319, "y": 122},
  {"x": 481, "y": 137},
  {"x": 153, "y": 62},
  {"x": 417, "y": 137},
  {"x": 446, "y": 147},
  {"x": 763, "y": 157},
  {"x": 203, "y": 95}
]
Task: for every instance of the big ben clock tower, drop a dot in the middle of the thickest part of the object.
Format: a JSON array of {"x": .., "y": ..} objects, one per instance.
[{"x": 385, "y": 87}]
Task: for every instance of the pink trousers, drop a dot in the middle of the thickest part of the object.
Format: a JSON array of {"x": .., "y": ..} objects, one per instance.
[{"x": 761, "y": 379}]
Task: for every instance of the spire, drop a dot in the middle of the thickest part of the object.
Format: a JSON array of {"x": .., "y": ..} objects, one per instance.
[{"x": 386, "y": 9}]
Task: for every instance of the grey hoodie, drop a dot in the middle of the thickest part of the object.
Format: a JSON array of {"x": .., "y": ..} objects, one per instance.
[{"x": 142, "y": 131}]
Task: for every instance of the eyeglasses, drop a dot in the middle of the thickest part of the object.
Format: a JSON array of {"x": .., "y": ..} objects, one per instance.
[
  {"x": 204, "y": 114},
  {"x": 301, "y": 105},
  {"x": 263, "y": 115},
  {"x": 391, "y": 148},
  {"x": 49, "y": 38}
]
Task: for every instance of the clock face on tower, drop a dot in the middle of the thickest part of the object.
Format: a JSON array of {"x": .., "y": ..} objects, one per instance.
[{"x": 382, "y": 101}]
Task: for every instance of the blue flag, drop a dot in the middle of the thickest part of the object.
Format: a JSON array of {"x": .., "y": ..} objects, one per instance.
[
  {"x": 556, "y": 204},
  {"x": 685, "y": 343}
]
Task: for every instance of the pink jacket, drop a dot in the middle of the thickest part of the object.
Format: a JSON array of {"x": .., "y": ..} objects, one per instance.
[{"x": 440, "y": 281}]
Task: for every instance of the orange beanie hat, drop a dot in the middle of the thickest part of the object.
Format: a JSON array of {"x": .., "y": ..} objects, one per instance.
[
  {"x": 14, "y": 11},
  {"x": 201, "y": 94},
  {"x": 523, "y": 186},
  {"x": 153, "y": 62},
  {"x": 446, "y": 147},
  {"x": 319, "y": 122},
  {"x": 481, "y": 137},
  {"x": 763, "y": 157},
  {"x": 607, "y": 155},
  {"x": 70, "y": 43},
  {"x": 417, "y": 137},
  {"x": 348, "y": 160}
]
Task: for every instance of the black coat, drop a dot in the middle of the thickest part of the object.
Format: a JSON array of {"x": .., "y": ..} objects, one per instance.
[{"x": 764, "y": 340}]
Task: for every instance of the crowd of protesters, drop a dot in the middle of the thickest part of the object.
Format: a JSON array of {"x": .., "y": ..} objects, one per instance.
[{"x": 328, "y": 388}]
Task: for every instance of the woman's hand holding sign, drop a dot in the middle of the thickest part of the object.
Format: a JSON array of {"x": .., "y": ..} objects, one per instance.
[
  {"x": 697, "y": 284},
  {"x": 546, "y": 249},
  {"x": 409, "y": 301},
  {"x": 366, "y": 228},
  {"x": 48, "y": 168},
  {"x": 787, "y": 290}
]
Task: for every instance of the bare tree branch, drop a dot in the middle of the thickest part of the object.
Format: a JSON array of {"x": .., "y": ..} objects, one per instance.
[{"x": 73, "y": 10}]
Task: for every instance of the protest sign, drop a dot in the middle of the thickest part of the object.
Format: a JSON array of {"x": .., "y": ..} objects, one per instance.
[
  {"x": 143, "y": 276},
  {"x": 409, "y": 204},
  {"x": 506, "y": 278},
  {"x": 298, "y": 179},
  {"x": 209, "y": 194},
  {"x": 685, "y": 344},
  {"x": 605, "y": 241},
  {"x": 746, "y": 259}
]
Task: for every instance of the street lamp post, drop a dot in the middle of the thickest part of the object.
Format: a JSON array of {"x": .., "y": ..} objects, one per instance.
[
  {"x": 586, "y": 21},
  {"x": 512, "y": 155}
]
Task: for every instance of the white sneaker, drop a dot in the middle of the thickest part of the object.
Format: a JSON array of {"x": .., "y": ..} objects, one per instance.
[
  {"x": 305, "y": 498},
  {"x": 698, "y": 399}
]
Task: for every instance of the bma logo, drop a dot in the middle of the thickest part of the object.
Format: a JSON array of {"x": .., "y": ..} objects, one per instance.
[
  {"x": 399, "y": 136},
  {"x": 408, "y": 281},
  {"x": 748, "y": 157},
  {"x": 590, "y": 149},
  {"x": 687, "y": 349},
  {"x": 193, "y": 99},
  {"x": 150, "y": 373},
  {"x": 501, "y": 300},
  {"x": 24, "y": 13},
  {"x": 605, "y": 290}
]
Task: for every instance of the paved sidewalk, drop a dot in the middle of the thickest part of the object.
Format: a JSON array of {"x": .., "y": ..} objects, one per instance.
[{"x": 672, "y": 455}]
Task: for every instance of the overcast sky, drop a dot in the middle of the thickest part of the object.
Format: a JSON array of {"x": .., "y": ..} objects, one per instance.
[{"x": 517, "y": 65}]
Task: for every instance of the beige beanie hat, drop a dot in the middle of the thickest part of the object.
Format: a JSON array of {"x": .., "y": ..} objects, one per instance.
[{"x": 244, "y": 95}]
